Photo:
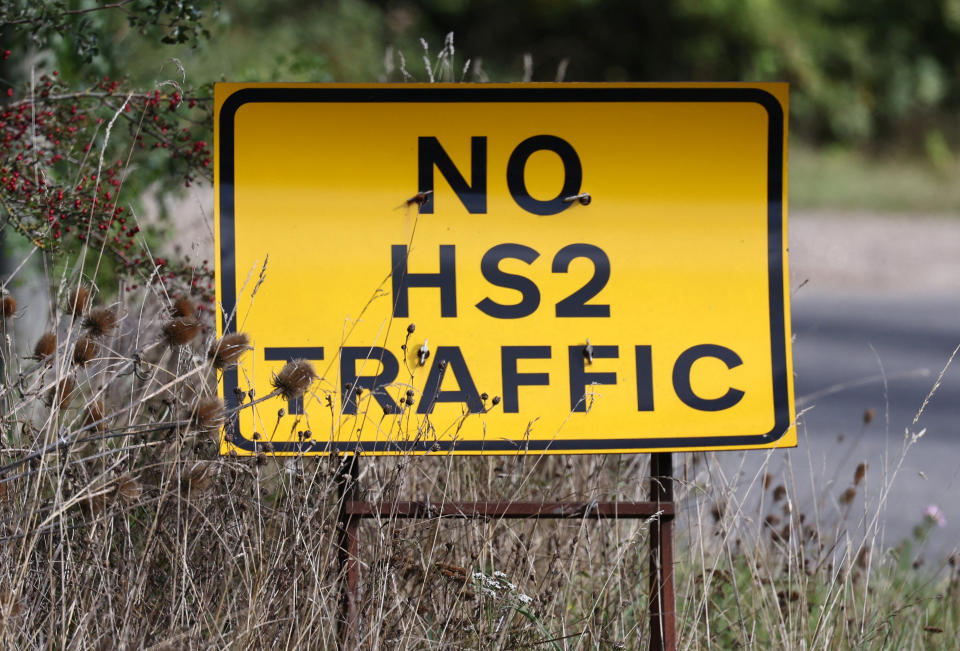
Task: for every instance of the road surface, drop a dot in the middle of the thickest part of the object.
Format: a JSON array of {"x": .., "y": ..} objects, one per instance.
[{"x": 876, "y": 317}]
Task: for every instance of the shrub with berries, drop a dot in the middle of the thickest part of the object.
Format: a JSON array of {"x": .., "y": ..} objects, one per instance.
[{"x": 66, "y": 158}]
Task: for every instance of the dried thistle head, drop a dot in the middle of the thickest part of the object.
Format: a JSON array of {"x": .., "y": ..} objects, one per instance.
[
  {"x": 10, "y": 604},
  {"x": 863, "y": 557},
  {"x": 199, "y": 477},
  {"x": 46, "y": 346},
  {"x": 860, "y": 473},
  {"x": 95, "y": 415},
  {"x": 100, "y": 321},
  {"x": 183, "y": 308},
  {"x": 61, "y": 394},
  {"x": 79, "y": 301},
  {"x": 8, "y": 306},
  {"x": 95, "y": 504},
  {"x": 180, "y": 332},
  {"x": 717, "y": 510},
  {"x": 228, "y": 349},
  {"x": 208, "y": 414},
  {"x": 84, "y": 351},
  {"x": 848, "y": 496},
  {"x": 128, "y": 488},
  {"x": 294, "y": 378},
  {"x": 779, "y": 492}
]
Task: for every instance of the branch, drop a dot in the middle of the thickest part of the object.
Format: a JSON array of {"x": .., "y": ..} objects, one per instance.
[{"x": 71, "y": 12}]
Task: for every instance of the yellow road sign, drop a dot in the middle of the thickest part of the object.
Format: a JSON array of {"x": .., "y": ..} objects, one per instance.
[{"x": 507, "y": 268}]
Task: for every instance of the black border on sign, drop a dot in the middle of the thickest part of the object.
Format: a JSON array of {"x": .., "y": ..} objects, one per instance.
[{"x": 778, "y": 344}]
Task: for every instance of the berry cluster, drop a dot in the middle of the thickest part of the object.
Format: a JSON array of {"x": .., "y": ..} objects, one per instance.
[{"x": 64, "y": 163}]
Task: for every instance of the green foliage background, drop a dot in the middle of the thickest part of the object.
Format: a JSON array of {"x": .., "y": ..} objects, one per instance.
[
  {"x": 875, "y": 85},
  {"x": 876, "y": 72}
]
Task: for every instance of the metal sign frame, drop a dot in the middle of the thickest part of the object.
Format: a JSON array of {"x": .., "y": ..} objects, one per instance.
[{"x": 660, "y": 510}]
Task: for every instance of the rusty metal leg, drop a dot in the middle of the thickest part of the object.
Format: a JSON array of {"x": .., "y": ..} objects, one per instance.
[
  {"x": 663, "y": 623},
  {"x": 348, "y": 545}
]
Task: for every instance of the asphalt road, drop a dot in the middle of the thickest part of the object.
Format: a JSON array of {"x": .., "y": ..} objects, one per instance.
[
  {"x": 878, "y": 296},
  {"x": 875, "y": 317},
  {"x": 881, "y": 351}
]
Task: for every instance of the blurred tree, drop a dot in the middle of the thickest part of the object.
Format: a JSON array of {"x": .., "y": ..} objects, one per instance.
[
  {"x": 870, "y": 72},
  {"x": 81, "y": 24},
  {"x": 861, "y": 72}
]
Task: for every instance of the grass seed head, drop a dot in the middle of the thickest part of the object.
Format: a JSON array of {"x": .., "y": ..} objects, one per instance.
[
  {"x": 79, "y": 301},
  {"x": 84, "y": 351},
  {"x": 8, "y": 306},
  {"x": 183, "y": 308},
  {"x": 46, "y": 346},
  {"x": 100, "y": 322},
  {"x": 294, "y": 379},
  {"x": 228, "y": 349},
  {"x": 180, "y": 332}
]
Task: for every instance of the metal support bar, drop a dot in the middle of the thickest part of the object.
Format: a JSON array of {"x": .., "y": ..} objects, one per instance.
[
  {"x": 348, "y": 552},
  {"x": 663, "y": 624},
  {"x": 660, "y": 509},
  {"x": 590, "y": 510}
]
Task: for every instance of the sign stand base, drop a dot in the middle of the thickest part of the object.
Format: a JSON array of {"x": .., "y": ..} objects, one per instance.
[{"x": 661, "y": 510}]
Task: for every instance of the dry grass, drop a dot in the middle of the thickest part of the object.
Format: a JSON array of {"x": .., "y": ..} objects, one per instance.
[{"x": 122, "y": 528}]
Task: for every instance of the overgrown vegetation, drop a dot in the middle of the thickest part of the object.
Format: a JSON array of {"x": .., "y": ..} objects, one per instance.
[{"x": 121, "y": 527}]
